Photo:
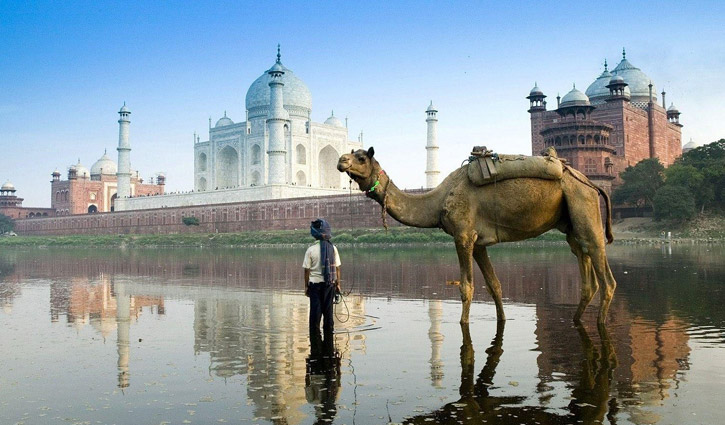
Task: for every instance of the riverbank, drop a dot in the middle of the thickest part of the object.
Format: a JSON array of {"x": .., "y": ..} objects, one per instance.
[{"x": 627, "y": 231}]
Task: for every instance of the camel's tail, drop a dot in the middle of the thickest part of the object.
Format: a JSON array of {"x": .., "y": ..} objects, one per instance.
[
  {"x": 608, "y": 225},
  {"x": 584, "y": 179}
]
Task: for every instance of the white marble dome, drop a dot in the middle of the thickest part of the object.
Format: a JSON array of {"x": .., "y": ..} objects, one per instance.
[
  {"x": 105, "y": 165},
  {"x": 82, "y": 171},
  {"x": 8, "y": 187},
  {"x": 334, "y": 121},
  {"x": 295, "y": 94},
  {"x": 574, "y": 98},
  {"x": 224, "y": 121},
  {"x": 637, "y": 81},
  {"x": 598, "y": 91}
]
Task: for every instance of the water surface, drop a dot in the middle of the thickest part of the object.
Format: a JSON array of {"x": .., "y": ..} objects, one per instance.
[{"x": 220, "y": 336}]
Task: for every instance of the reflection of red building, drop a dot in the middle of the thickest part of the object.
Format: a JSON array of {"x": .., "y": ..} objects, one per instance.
[{"x": 95, "y": 190}]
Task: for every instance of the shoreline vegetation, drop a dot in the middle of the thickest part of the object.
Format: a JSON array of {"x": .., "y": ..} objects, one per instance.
[{"x": 628, "y": 231}]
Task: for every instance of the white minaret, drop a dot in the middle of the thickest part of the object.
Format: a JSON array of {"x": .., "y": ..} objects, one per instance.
[
  {"x": 124, "y": 154},
  {"x": 275, "y": 125},
  {"x": 123, "y": 323},
  {"x": 431, "y": 169}
]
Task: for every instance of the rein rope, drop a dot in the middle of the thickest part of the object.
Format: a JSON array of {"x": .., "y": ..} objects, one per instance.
[{"x": 376, "y": 186}]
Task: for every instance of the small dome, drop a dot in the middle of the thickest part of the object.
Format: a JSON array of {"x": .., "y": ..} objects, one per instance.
[
  {"x": 81, "y": 171},
  {"x": 574, "y": 98},
  {"x": 105, "y": 165},
  {"x": 124, "y": 108},
  {"x": 617, "y": 80},
  {"x": 672, "y": 108},
  {"x": 431, "y": 108},
  {"x": 8, "y": 187},
  {"x": 536, "y": 91},
  {"x": 224, "y": 121},
  {"x": 334, "y": 121},
  {"x": 688, "y": 145}
]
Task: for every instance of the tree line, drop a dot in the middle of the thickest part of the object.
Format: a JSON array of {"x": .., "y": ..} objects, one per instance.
[{"x": 694, "y": 184}]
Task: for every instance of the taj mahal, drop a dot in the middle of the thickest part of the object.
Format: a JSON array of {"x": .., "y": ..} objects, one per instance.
[{"x": 277, "y": 152}]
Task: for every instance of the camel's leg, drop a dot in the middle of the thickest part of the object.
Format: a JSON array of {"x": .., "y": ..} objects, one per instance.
[
  {"x": 464, "y": 249},
  {"x": 604, "y": 275},
  {"x": 589, "y": 281},
  {"x": 480, "y": 254}
]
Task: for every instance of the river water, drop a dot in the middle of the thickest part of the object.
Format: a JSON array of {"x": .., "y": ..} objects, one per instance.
[{"x": 175, "y": 336}]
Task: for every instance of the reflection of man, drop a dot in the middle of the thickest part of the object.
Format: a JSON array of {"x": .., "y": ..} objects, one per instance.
[
  {"x": 322, "y": 277},
  {"x": 322, "y": 380}
]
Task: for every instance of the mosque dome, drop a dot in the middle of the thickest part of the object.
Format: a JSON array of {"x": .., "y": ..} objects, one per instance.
[
  {"x": 672, "y": 108},
  {"x": 224, "y": 121},
  {"x": 295, "y": 94},
  {"x": 637, "y": 80},
  {"x": 574, "y": 98},
  {"x": 689, "y": 145},
  {"x": 598, "y": 91},
  {"x": 104, "y": 165},
  {"x": 334, "y": 121},
  {"x": 9, "y": 187},
  {"x": 81, "y": 171}
]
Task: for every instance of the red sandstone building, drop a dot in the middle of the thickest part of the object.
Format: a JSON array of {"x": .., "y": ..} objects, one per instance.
[
  {"x": 95, "y": 190},
  {"x": 12, "y": 206},
  {"x": 615, "y": 124}
]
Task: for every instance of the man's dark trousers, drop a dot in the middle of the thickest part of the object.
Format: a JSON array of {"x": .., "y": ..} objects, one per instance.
[{"x": 321, "y": 297}]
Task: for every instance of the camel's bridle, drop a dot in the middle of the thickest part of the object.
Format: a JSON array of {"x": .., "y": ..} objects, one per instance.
[{"x": 377, "y": 186}]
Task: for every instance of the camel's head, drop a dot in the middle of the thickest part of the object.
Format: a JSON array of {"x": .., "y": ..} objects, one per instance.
[{"x": 360, "y": 166}]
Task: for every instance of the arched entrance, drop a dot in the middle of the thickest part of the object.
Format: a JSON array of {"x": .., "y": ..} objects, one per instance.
[
  {"x": 113, "y": 201},
  {"x": 329, "y": 176},
  {"x": 227, "y": 174},
  {"x": 202, "y": 184},
  {"x": 92, "y": 209}
]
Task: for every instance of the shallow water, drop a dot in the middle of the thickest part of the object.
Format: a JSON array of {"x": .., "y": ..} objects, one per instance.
[{"x": 220, "y": 336}]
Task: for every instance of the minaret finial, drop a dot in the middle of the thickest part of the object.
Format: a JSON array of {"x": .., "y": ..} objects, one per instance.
[
  {"x": 279, "y": 55},
  {"x": 573, "y": 86},
  {"x": 605, "y": 64},
  {"x": 624, "y": 54},
  {"x": 225, "y": 113},
  {"x": 332, "y": 113}
]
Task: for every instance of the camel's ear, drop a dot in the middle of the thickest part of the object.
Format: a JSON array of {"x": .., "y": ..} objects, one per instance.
[
  {"x": 371, "y": 152},
  {"x": 352, "y": 151}
]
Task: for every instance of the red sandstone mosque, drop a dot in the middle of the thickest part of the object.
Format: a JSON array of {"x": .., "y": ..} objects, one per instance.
[{"x": 615, "y": 124}]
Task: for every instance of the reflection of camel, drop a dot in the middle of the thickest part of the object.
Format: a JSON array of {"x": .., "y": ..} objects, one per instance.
[
  {"x": 588, "y": 405},
  {"x": 508, "y": 210}
]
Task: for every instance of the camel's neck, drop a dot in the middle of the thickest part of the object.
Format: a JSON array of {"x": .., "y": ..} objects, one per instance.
[{"x": 416, "y": 210}]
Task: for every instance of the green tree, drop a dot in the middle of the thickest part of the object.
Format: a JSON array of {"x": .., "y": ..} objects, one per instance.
[
  {"x": 640, "y": 183},
  {"x": 190, "y": 221},
  {"x": 674, "y": 202},
  {"x": 690, "y": 178},
  {"x": 6, "y": 224},
  {"x": 709, "y": 160}
]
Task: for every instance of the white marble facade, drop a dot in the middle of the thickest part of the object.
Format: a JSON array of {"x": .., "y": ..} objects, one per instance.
[{"x": 236, "y": 155}]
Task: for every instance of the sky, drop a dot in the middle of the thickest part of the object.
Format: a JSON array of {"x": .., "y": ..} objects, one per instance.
[{"x": 66, "y": 68}]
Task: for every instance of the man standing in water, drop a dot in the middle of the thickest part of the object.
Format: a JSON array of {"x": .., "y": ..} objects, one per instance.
[{"x": 322, "y": 277}]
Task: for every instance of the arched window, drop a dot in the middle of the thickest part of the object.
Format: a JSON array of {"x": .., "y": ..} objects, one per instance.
[
  {"x": 57, "y": 196},
  {"x": 256, "y": 155},
  {"x": 301, "y": 154},
  {"x": 590, "y": 166},
  {"x": 202, "y": 184},
  {"x": 329, "y": 176},
  {"x": 256, "y": 178},
  {"x": 202, "y": 161},
  {"x": 92, "y": 209}
]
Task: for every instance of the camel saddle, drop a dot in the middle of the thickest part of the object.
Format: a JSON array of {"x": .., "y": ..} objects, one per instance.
[{"x": 486, "y": 167}]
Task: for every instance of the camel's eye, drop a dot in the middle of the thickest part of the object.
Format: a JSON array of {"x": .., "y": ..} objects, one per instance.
[{"x": 361, "y": 159}]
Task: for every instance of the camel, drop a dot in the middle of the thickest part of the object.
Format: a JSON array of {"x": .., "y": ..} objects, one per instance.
[{"x": 507, "y": 211}]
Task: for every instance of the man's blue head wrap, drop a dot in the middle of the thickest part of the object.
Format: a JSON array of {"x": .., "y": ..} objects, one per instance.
[{"x": 320, "y": 230}]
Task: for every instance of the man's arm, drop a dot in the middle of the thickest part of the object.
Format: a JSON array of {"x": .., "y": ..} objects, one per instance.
[
  {"x": 337, "y": 271},
  {"x": 307, "y": 280}
]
